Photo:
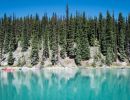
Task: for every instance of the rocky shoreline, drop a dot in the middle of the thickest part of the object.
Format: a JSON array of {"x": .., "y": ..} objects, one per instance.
[{"x": 54, "y": 68}]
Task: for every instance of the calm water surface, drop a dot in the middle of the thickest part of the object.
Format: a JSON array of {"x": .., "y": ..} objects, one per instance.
[{"x": 84, "y": 84}]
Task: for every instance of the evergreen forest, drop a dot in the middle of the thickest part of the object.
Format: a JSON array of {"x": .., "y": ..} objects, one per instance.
[{"x": 67, "y": 36}]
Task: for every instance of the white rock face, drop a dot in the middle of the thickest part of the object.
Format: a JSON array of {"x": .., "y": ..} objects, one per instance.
[
  {"x": 124, "y": 64},
  {"x": 94, "y": 51},
  {"x": 67, "y": 62},
  {"x": 17, "y": 55}
]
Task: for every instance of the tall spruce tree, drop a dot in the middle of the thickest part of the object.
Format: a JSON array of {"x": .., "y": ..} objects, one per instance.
[
  {"x": 109, "y": 58},
  {"x": 12, "y": 38},
  {"x": 100, "y": 27},
  {"x": 85, "y": 50},
  {"x": 62, "y": 35},
  {"x": 25, "y": 39},
  {"x": 10, "y": 58},
  {"x": 77, "y": 50},
  {"x": 110, "y": 36},
  {"x": 69, "y": 34},
  {"x": 128, "y": 39},
  {"x": 114, "y": 39},
  {"x": 7, "y": 31},
  {"x": 35, "y": 50},
  {"x": 45, "y": 44},
  {"x": 1, "y": 41},
  {"x": 78, "y": 56},
  {"x": 103, "y": 42},
  {"x": 91, "y": 32},
  {"x": 54, "y": 55},
  {"x": 70, "y": 38},
  {"x": 102, "y": 34},
  {"x": 121, "y": 37}
]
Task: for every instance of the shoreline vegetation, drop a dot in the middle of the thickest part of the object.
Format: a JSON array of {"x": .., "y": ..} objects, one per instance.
[{"x": 67, "y": 41}]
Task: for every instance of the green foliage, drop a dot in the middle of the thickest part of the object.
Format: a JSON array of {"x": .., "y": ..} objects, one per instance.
[
  {"x": 103, "y": 44},
  {"x": 101, "y": 34},
  {"x": 54, "y": 58},
  {"x": 84, "y": 43},
  {"x": 77, "y": 57},
  {"x": 62, "y": 42},
  {"x": 7, "y": 33},
  {"x": 34, "y": 51},
  {"x": 25, "y": 40},
  {"x": 77, "y": 50},
  {"x": 121, "y": 37},
  {"x": 21, "y": 61},
  {"x": 121, "y": 48},
  {"x": 91, "y": 32},
  {"x": 1, "y": 43},
  {"x": 45, "y": 45},
  {"x": 70, "y": 39},
  {"x": 109, "y": 57},
  {"x": 10, "y": 58},
  {"x": 100, "y": 27},
  {"x": 34, "y": 57},
  {"x": 62, "y": 54},
  {"x": 13, "y": 36},
  {"x": 6, "y": 43},
  {"x": 85, "y": 50}
]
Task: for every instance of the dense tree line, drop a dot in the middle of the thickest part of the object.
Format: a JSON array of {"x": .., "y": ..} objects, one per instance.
[{"x": 68, "y": 36}]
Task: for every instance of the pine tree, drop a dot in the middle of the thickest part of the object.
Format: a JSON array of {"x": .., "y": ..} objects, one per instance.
[
  {"x": 96, "y": 28},
  {"x": 1, "y": 41},
  {"x": 69, "y": 34},
  {"x": 25, "y": 39},
  {"x": 13, "y": 31},
  {"x": 85, "y": 51},
  {"x": 114, "y": 39},
  {"x": 110, "y": 36},
  {"x": 78, "y": 38},
  {"x": 67, "y": 19},
  {"x": 108, "y": 30},
  {"x": 77, "y": 50},
  {"x": 62, "y": 41},
  {"x": 128, "y": 38},
  {"x": 100, "y": 27},
  {"x": 109, "y": 58},
  {"x": 78, "y": 56},
  {"x": 91, "y": 35},
  {"x": 70, "y": 39},
  {"x": 53, "y": 58},
  {"x": 121, "y": 47},
  {"x": 7, "y": 27},
  {"x": 18, "y": 28},
  {"x": 12, "y": 44},
  {"x": 10, "y": 58},
  {"x": 103, "y": 43},
  {"x": 45, "y": 29},
  {"x": 52, "y": 28},
  {"x": 34, "y": 51},
  {"x": 121, "y": 37},
  {"x": 54, "y": 55},
  {"x": 45, "y": 44},
  {"x": 102, "y": 34}
]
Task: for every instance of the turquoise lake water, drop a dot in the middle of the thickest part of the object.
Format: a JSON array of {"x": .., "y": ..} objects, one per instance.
[{"x": 84, "y": 84}]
